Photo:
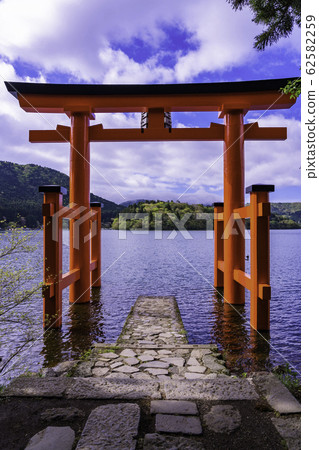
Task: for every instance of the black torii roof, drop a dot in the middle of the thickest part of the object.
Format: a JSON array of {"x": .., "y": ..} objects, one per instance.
[{"x": 146, "y": 89}]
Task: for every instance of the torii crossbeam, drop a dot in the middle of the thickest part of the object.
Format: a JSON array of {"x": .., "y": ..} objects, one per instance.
[{"x": 232, "y": 101}]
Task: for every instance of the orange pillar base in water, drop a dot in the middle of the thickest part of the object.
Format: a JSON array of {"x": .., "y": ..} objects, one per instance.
[
  {"x": 260, "y": 256},
  {"x": 218, "y": 244},
  {"x": 52, "y": 255},
  {"x": 96, "y": 244}
]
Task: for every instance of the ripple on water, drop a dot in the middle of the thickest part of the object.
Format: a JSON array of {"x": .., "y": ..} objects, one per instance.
[{"x": 156, "y": 267}]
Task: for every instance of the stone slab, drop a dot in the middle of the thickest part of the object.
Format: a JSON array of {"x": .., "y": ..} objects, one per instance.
[
  {"x": 83, "y": 369},
  {"x": 157, "y": 371},
  {"x": 179, "y": 362},
  {"x": 193, "y": 362},
  {"x": 168, "y": 423},
  {"x": 199, "y": 353},
  {"x": 194, "y": 376},
  {"x": 37, "y": 387},
  {"x": 64, "y": 366},
  {"x": 104, "y": 363},
  {"x": 118, "y": 376},
  {"x": 109, "y": 388},
  {"x": 289, "y": 429},
  {"x": 108, "y": 355},
  {"x": 223, "y": 419},
  {"x": 111, "y": 427},
  {"x": 100, "y": 371},
  {"x": 131, "y": 361},
  {"x": 145, "y": 358},
  {"x": 157, "y": 441},
  {"x": 220, "y": 388},
  {"x": 52, "y": 438},
  {"x": 150, "y": 352},
  {"x": 196, "y": 369},
  {"x": 141, "y": 376},
  {"x": 214, "y": 364},
  {"x": 126, "y": 369},
  {"x": 174, "y": 407},
  {"x": 276, "y": 394},
  {"x": 69, "y": 413},
  {"x": 154, "y": 365},
  {"x": 116, "y": 364},
  {"x": 128, "y": 353}
]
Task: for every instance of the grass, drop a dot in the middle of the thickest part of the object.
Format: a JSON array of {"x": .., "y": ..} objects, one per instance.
[
  {"x": 108, "y": 349},
  {"x": 92, "y": 351},
  {"x": 289, "y": 378},
  {"x": 86, "y": 355}
]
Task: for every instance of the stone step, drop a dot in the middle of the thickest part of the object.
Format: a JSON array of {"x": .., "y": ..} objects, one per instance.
[
  {"x": 111, "y": 427},
  {"x": 276, "y": 394},
  {"x": 52, "y": 438},
  {"x": 168, "y": 423},
  {"x": 156, "y": 441},
  {"x": 220, "y": 388},
  {"x": 183, "y": 407}
]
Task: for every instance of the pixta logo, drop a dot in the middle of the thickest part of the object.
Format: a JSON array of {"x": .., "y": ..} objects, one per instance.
[{"x": 79, "y": 215}]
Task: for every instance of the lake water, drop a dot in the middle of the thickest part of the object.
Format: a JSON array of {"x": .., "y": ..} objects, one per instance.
[{"x": 143, "y": 265}]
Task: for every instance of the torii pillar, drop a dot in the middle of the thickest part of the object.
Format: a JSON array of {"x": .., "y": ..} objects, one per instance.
[
  {"x": 234, "y": 197},
  {"x": 80, "y": 196}
]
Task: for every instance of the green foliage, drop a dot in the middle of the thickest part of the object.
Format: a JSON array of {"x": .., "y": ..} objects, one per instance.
[
  {"x": 110, "y": 349},
  {"x": 278, "y": 16},
  {"x": 19, "y": 195},
  {"x": 18, "y": 289},
  {"x": 160, "y": 211},
  {"x": 284, "y": 215},
  {"x": 86, "y": 355},
  {"x": 293, "y": 88},
  {"x": 289, "y": 378}
]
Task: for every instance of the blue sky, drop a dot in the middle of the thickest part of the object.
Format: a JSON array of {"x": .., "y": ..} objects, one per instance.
[{"x": 72, "y": 41}]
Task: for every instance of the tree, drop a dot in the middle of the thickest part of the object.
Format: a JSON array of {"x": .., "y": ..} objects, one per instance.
[
  {"x": 18, "y": 292},
  {"x": 279, "y": 16}
]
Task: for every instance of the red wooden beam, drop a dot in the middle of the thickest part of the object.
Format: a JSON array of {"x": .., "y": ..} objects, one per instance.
[
  {"x": 61, "y": 134},
  {"x": 252, "y": 132}
]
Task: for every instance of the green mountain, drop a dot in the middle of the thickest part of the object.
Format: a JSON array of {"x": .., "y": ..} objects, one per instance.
[
  {"x": 283, "y": 216},
  {"x": 19, "y": 195}
]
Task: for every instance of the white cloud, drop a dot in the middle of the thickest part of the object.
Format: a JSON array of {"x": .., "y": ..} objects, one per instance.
[
  {"x": 82, "y": 38},
  {"x": 89, "y": 41},
  {"x": 275, "y": 162}
]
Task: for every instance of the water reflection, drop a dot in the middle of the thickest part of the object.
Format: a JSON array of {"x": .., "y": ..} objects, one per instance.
[
  {"x": 245, "y": 350},
  {"x": 155, "y": 267},
  {"x": 84, "y": 324},
  {"x": 53, "y": 347}
]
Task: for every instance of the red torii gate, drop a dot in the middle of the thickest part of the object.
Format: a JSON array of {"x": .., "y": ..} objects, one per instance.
[{"x": 232, "y": 101}]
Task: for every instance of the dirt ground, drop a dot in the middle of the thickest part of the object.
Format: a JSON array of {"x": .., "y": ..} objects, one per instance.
[{"x": 20, "y": 420}]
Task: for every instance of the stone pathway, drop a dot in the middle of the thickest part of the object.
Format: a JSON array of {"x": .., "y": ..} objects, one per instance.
[
  {"x": 179, "y": 362},
  {"x": 192, "y": 402},
  {"x": 153, "y": 321}
]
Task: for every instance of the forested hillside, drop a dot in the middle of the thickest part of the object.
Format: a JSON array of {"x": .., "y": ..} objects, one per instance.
[
  {"x": 19, "y": 193},
  {"x": 284, "y": 215},
  {"x": 19, "y": 197}
]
